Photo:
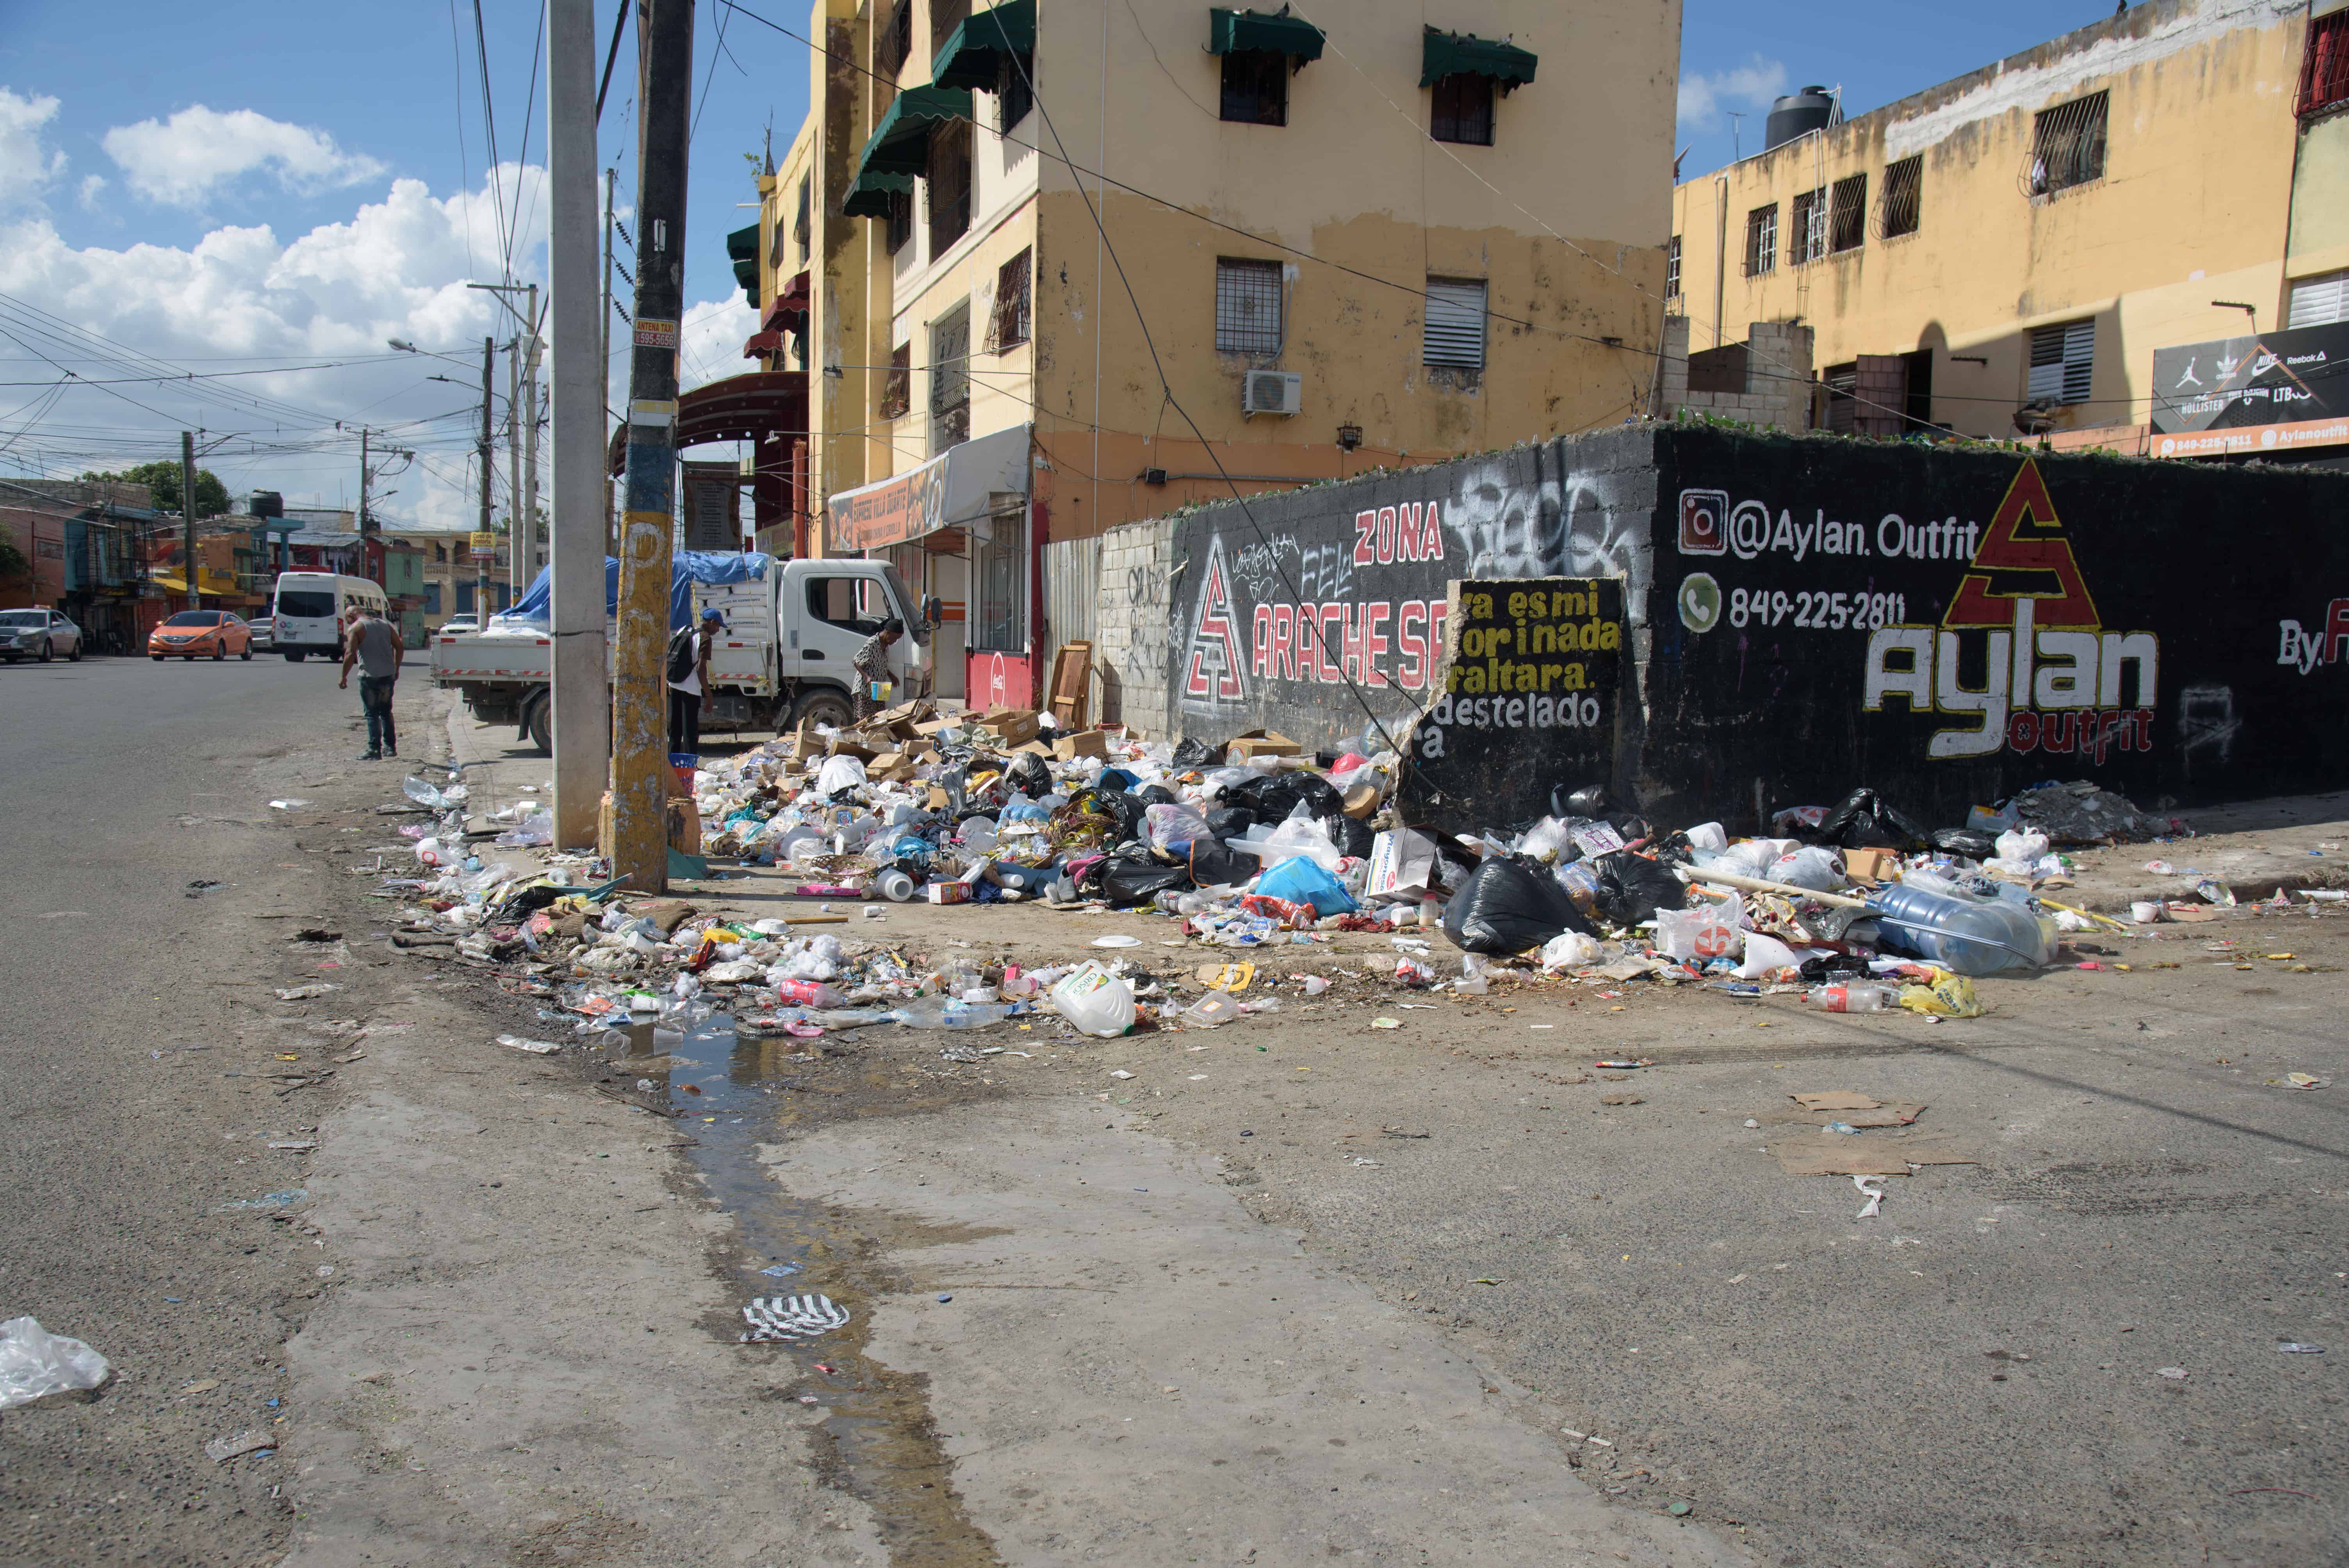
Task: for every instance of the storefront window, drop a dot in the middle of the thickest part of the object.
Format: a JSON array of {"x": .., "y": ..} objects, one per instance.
[{"x": 1002, "y": 585}]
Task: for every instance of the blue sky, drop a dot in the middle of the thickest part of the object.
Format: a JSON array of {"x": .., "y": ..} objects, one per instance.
[{"x": 275, "y": 183}]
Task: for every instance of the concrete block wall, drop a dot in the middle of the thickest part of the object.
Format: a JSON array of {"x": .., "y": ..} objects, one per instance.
[
  {"x": 1133, "y": 634},
  {"x": 1778, "y": 377}
]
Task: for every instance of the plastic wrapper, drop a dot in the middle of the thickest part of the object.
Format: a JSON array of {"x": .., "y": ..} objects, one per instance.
[
  {"x": 1949, "y": 996},
  {"x": 1507, "y": 906},
  {"x": 1303, "y": 881},
  {"x": 35, "y": 1363}
]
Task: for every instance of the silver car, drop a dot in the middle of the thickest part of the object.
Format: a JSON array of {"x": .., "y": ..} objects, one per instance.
[
  {"x": 42, "y": 634},
  {"x": 264, "y": 630}
]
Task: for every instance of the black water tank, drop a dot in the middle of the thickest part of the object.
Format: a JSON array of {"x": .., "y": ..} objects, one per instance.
[
  {"x": 267, "y": 503},
  {"x": 1798, "y": 114}
]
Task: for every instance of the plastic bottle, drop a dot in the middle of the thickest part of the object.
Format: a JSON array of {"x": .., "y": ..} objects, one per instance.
[
  {"x": 1959, "y": 933},
  {"x": 808, "y": 993},
  {"x": 894, "y": 885},
  {"x": 1096, "y": 1001},
  {"x": 1850, "y": 998},
  {"x": 951, "y": 1013}
]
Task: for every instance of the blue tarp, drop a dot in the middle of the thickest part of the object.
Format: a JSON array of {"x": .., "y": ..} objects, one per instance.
[{"x": 687, "y": 567}]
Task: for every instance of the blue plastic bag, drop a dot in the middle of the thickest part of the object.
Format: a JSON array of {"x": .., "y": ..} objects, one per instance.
[{"x": 1302, "y": 880}]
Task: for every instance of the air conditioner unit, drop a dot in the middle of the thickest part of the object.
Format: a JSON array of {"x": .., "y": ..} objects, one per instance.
[{"x": 1272, "y": 392}]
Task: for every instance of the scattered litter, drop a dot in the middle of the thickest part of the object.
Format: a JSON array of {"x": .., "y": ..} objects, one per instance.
[
  {"x": 780, "y": 1271},
  {"x": 1872, "y": 1189},
  {"x": 786, "y": 1317},
  {"x": 304, "y": 993},
  {"x": 1386, "y": 1023},
  {"x": 2297, "y": 1347},
  {"x": 35, "y": 1363},
  {"x": 1117, "y": 941},
  {"x": 220, "y": 1450},
  {"x": 290, "y": 804},
  {"x": 535, "y": 1047},
  {"x": 2307, "y": 1080},
  {"x": 2175, "y": 1374}
]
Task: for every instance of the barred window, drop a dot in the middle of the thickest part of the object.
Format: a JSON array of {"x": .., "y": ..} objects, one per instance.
[
  {"x": 950, "y": 184},
  {"x": 946, "y": 16},
  {"x": 1454, "y": 334},
  {"x": 1256, "y": 87},
  {"x": 800, "y": 228},
  {"x": 2067, "y": 145},
  {"x": 1463, "y": 110},
  {"x": 2061, "y": 357},
  {"x": 1248, "y": 306},
  {"x": 1672, "y": 269},
  {"x": 896, "y": 44},
  {"x": 1806, "y": 227},
  {"x": 950, "y": 380},
  {"x": 901, "y": 221},
  {"x": 1847, "y": 220},
  {"x": 1902, "y": 205},
  {"x": 897, "y": 387},
  {"x": 1762, "y": 240},
  {"x": 2324, "y": 68},
  {"x": 1009, "y": 322},
  {"x": 1014, "y": 88}
]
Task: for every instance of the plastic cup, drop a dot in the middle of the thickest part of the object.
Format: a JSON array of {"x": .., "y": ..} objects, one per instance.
[{"x": 2145, "y": 912}]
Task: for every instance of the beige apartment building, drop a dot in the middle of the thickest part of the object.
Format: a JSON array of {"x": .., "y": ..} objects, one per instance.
[
  {"x": 1356, "y": 235},
  {"x": 2003, "y": 253}
]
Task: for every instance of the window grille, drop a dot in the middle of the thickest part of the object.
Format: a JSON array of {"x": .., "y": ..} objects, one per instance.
[
  {"x": 2067, "y": 145},
  {"x": 1806, "y": 227},
  {"x": 951, "y": 381},
  {"x": 1248, "y": 306},
  {"x": 895, "y": 43},
  {"x": 1009, "y": 322},
  {"x": 1848, "y": 217},
  {"x": 1762, "y": 240},
  {"x": 950, "y": 184},
  {"x": 1672, "y": 269},
  {"x": 1901, "y": 207},
  {"x": 897, "y": 387},
  {"x": 1256, "y": 87},
  {"x": 1463, "y": 110},
  {"x": 2324, "y": 68}
]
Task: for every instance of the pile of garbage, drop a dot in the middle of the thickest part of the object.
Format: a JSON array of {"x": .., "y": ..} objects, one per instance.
[{"x": 1251, "y": 845}]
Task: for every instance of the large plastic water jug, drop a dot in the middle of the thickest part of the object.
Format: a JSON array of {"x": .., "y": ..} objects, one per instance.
[{"x": 1959, "y": 934}]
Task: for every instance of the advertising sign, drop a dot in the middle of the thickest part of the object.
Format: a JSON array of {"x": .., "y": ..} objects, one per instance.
[{"x": 2274, "y": 391}]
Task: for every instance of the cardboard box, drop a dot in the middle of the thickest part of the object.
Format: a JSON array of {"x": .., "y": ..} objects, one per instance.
[
  {"x": 948, "y": 892},
  {"x": 1011, "y": 729},
  {"x": 1869, "y": 865},
  {"x": 934, "y": 727},
  {"x": 1033, "y": 749},
  {"x": 805, "y": 743},
  {"x": 1083, "y": 743},
  {"x": 684, "y": 826},
  {"x": 845, "y": 745},
  {"x": 1264, "y": 743}
]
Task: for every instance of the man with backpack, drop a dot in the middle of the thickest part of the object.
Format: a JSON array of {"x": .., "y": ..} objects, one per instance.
[{"x": 689, "y": 677}]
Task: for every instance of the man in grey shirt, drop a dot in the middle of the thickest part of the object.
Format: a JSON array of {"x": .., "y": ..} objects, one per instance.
[{"x": 374, "y": 645}]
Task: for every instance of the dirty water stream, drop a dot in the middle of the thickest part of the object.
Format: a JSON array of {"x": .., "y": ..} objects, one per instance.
[{"x": 877, "y": 1440}]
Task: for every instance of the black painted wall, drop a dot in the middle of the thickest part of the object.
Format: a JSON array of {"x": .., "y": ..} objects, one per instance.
[{"x": 1809, "y": 613}]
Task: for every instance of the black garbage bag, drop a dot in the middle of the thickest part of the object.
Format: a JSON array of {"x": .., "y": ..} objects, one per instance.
[
  {"x": 1214, "y": 864},
  {"x": 1030, "y": 776},
  {"x": 1352, "y": 838},
  {"x": 1966, "y": 841},
  {"x": 1231, "y": 821},
  {"x": 1190, "y": 754},
  {"x": 1275, "y": 795},
  {"x": 1865, "y": 819},
  {"x": 1507, "y": 906},
  {"x": 1589, "y": 800},
  {"x": 1631, "y": 888},
  {"x": 1125, "y": 882},
  {"x": 1120, "y": 808},
  {"x": 1155, "y": 795},
  {"x": 526, "y": 902}
]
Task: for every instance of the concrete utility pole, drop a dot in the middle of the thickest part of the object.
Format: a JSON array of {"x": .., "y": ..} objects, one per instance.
[
  {"x": 489, "y": 478},
  {"x": 583, "y": 700},
  {"x": 363, "y": 478},
  {"x": 527, "y": 572},
  {"x": 603, "y": 351},
  {"x": 188, "y": 515},
  {"x": 639, "y": 709},
  {"x": 513, "y": 466}
]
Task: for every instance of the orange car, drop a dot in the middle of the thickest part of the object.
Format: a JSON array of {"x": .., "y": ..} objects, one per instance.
[{"x": 193, "y": 632}]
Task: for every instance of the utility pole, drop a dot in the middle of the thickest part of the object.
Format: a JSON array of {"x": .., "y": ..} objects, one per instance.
[
  {"x": 489, "y": 477},
  {"x": 603, "y": 352},
  {"x": 188, "y": 515},
  {"x": 363, "y": 480},
  {"x": 526, "y": 573},
  {"x": 513, "y": 466},
  {"x": 639, "y": 771},
  {"x": 582, "y": 697}
]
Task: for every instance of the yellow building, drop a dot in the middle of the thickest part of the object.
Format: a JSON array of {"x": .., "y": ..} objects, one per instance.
[
  {"x": 2002, "y": 254},
  {"x": 1353, "y": 235}
]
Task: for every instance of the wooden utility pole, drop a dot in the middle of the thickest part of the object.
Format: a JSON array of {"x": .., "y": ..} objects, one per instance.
[
  {"x": 489, "y": 478},
  {"x": 188, "y": 515},
  {"x": 582, "y": 695},
  {"x": 640, "y": 776}
]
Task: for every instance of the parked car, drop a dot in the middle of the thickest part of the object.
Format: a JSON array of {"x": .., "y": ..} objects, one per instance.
[
  {"x": 192, "y": 631},
  {"x": 40, "y": 634},
  {"x": 264, "y": 629}
]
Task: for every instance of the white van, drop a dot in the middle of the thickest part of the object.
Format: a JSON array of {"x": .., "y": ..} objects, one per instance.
[{"x": 310, "y": 612}]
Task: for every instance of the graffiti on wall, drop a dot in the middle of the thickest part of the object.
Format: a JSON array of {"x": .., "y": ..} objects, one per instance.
[
  {"x": 1358, "y": 597},
  {"x": 2304, "y": 650}
]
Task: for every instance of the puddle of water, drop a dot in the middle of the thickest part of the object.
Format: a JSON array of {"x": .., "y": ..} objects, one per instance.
[{"x": 878, "y": 1442}]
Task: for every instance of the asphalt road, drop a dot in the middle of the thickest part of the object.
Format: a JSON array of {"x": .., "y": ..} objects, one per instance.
[{"x": 124, "y": 781}]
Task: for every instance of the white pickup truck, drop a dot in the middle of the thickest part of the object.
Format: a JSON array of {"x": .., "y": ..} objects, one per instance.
[{"x": 790, "y": 633}]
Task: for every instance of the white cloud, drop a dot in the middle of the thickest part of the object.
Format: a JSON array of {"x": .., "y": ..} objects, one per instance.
[
  {"x": 1747, "y": 88},
  {"x": 26, "y": 168},
  {"x": 184, "y": 159},
  {"x": 92, "y": 186},
  {"x": 241, "y": 298}
]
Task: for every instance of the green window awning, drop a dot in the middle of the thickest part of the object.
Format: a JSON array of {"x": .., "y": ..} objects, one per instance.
[
  {"x": 745, "y": 273},
  {"x": 1446, "y": 55},
  {"x": 975, "y": 51},
  {"x": 742, "y": 245},
  {"x": 900, "y": 147},
  {"x": 1276, "y": 32}
]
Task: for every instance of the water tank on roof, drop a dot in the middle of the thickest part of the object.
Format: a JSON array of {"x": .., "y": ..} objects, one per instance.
[
  {"x": 1799, "y": 114},
  {"x": 267, "y": 504}
]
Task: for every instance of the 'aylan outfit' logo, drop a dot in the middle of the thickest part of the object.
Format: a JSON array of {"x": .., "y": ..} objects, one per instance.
[{"x": 2047, "y": 675}]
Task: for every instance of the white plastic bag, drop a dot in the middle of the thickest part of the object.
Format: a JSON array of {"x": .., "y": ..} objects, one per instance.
[
  {"x": 1708, "y": 932},
  {"x": 1708, "y": 837},
  {"x": 2022, "y": 845},
  {"x": 840, "y": 773},
  {"x": 1764, "y": 956},
  {"x": 1302, "y": 834},
  {"x": 1570, "y": 950},
  {"x": 1545, "y": 841},
  {"x": 35, "y": 1363},
  {"x": 1819, "y": 869}
]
